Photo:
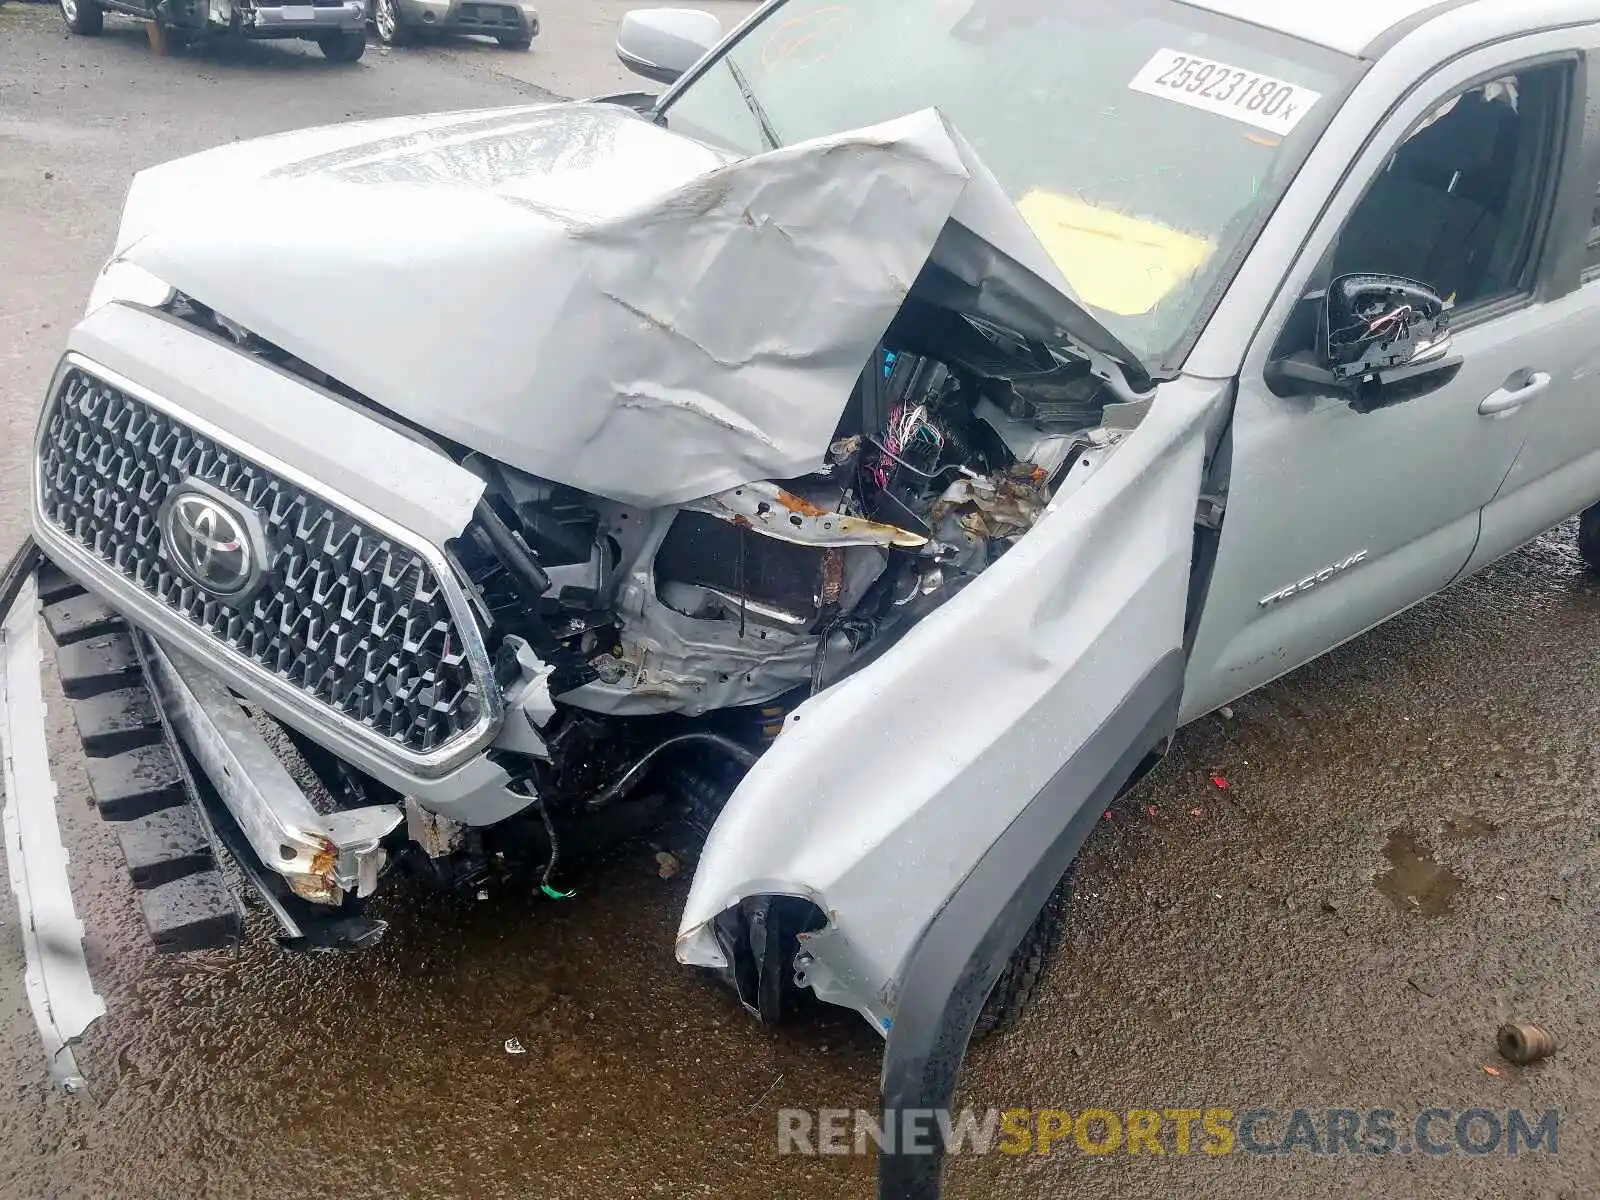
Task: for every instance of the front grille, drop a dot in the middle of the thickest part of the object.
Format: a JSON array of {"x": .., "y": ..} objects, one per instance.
[{"x": 346, "y": 615}]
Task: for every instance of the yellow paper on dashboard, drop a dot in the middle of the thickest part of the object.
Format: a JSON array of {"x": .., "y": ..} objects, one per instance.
[{"x": 1121, "y": 264}]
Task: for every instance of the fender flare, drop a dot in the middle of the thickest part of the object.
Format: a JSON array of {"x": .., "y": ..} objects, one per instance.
[{"x": 950, "y": 971}]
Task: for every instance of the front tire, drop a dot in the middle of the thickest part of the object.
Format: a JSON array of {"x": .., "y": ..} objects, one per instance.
[
  {"x": 1014, "y": 990},
  {"x": 519, "y": 42},
  {"x": 386, "y": 19},
  {"x": 1589, "y": 538},
  {"x": 344, "y": 47},
  {"x": 84, "y": 17}
]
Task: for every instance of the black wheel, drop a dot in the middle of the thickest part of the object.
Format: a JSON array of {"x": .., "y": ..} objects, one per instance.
[
  {"x": 83, "y": 16},
  {"x": 1589, "y": 537},
  {"x": 392, "y": 30},
  {"x": 1014, "y": 990},
  {"x": 521, "y": 41},
  {"x": 343, "y": 47}
]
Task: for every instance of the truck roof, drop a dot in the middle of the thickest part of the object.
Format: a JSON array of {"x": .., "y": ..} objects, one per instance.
[{"x": 1349, "y": 26}]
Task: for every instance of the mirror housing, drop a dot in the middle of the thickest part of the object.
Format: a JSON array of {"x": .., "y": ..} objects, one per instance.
[
  {"x": 662, "y": 43},
  {"x": 1374, "y": 323},
  {"x": 1380, "y": 339}
]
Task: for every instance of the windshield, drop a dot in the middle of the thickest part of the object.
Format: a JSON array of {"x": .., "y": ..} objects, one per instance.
[{"x": 1140, "y": 139}]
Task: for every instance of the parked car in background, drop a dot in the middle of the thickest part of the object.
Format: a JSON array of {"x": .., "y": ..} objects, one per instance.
[
  {"x": 867, "y": 466},
  {"x": 514, "y": 24},
  {"x": 338, "y": 27}
]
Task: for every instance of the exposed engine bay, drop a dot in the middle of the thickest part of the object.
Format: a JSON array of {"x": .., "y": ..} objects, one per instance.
[
  {"x": 623, "y": 636},
  {"x": 704, "y": 499},
  {"x": 950, "y": 450},
  {"x": 955, "y": 441}
]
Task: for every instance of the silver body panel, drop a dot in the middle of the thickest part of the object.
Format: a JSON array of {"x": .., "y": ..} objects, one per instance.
[
  {"x": 884, "y": 791},
  {"x": 603, "y": 288},
  {"x": 1424, "y": 491},
  {"x": 56, "y": 978}
]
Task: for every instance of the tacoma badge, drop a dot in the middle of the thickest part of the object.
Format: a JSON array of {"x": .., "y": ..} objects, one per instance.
[{"x": 1312, "y": 580}]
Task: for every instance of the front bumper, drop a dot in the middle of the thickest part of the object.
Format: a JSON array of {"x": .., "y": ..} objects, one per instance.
[
  {"x": 176, "y": 762},
  {"x": 184, "y": 777},
  {"x": 60, "y": 992},
  {"x": 472, "y": 16},
  {"x": 304, "y": 20},
  {"x": 321, "y": 857},
  {"x": 242, "y": 18}
]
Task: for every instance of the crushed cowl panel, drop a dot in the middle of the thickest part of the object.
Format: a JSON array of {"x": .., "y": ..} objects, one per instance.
[{"x": 573, "y": 288}]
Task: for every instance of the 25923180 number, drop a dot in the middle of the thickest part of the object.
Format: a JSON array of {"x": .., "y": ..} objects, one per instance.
[{"x": 1227, "y": 90}]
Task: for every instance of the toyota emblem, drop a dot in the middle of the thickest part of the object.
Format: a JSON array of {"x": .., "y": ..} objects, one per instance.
[{"x": 213, "y": 541}]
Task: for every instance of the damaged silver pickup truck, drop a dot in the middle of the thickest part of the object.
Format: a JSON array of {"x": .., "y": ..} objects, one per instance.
[{"x": 868, "y": 453}]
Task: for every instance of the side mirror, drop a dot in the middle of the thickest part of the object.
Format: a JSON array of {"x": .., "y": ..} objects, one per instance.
[
  {"x": 662, "y": 43},
  {"x": 1380, "y": 339},
  {"x": 1376, "y": 323}
]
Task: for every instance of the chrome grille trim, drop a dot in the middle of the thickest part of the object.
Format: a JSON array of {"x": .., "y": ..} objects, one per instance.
[{"x": 146, "y": 607}]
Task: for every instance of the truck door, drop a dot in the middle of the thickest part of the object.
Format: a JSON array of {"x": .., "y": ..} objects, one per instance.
[
  {"x": 1337, "y": 518},
  {"x": 1557, "y": 472}
]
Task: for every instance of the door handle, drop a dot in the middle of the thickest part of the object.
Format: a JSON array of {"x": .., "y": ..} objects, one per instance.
[{"x": 1517, "y": 391}]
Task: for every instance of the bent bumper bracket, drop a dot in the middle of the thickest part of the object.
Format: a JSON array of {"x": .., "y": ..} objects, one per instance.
[{"x": 320, "y": 856}]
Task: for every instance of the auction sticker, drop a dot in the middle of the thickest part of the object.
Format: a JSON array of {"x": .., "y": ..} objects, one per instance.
[{"x": 1249, "y": 96}]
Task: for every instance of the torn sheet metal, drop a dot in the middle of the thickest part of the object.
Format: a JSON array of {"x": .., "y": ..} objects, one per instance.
[
  {"x": 574, "y": 289},
  {"x": 59, "y": 989},
  {"x": 781, "y": 514},
  {"x": 1000, "y": 506},
  {"x": 883, "y": 791}
]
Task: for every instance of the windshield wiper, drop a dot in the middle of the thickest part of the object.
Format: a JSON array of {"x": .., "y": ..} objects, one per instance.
[{"x": 769, "y": 135}]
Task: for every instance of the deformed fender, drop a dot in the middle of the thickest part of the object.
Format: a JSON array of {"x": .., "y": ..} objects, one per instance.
[
  {"x": 884, "y": 793},
  {"x": 928, "y": 805},
  {"x": 960, "y": 955}
]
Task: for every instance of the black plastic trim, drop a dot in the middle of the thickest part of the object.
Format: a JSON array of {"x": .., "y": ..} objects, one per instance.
[
  {"x": 961, "y": 953},
  {"x": 17, "y": 571}
]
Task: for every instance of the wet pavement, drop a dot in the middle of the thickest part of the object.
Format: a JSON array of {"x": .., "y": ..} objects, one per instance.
[{"x": 1404, "y": 856}]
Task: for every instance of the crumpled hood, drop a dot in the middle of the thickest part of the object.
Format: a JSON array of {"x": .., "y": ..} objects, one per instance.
[{"x": 575, "y": 290}]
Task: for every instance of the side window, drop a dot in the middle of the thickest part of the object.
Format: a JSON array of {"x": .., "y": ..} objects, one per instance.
[{"x": 1463, "y": 200}]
